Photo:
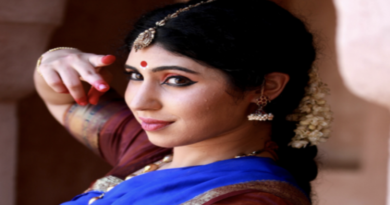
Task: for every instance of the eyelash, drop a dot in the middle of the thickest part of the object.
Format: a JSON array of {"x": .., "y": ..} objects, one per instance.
[
  {"x": 188, "y": 83},
  {"x": 178, "y": 78}
]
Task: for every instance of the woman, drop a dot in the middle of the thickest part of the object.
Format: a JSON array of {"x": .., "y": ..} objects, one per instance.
[{"x": 204, "y": 80}]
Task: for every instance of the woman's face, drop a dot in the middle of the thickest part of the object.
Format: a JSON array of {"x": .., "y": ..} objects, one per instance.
[{"x": 179, "y": 101}]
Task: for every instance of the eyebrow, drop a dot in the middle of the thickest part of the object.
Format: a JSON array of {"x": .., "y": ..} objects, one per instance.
[{"x": 162, "y": 68}]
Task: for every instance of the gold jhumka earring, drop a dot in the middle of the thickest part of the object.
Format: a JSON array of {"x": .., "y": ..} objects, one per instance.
[{"x": 260, "y": 114}]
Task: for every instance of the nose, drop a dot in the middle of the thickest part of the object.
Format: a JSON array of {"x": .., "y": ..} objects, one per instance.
[{"x": 142, "y": 96}]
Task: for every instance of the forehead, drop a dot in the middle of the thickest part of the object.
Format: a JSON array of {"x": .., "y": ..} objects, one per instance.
[{"x": 156, "y": 55}]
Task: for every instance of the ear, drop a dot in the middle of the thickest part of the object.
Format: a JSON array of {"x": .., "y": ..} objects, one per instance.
[{"x": 273, "y": 86}]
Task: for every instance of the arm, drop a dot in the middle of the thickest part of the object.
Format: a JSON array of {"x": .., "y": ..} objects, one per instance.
[
  {"x": 57, "y": 79},
  {"x": 110, "y": 130},
  {"x": 107, "y": 127}
]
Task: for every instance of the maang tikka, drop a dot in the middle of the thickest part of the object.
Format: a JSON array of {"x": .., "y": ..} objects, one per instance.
[
  {"x": 145, "y": 38},
  {"x": 260, "y": 114}
]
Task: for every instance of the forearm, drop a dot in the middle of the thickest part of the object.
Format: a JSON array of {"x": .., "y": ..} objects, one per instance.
[
  {"x": 57, "y": 103},
  {"x": 86, "y": 123}
]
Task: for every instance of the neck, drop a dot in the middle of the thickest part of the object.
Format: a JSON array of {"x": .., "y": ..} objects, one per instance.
[{"x": 243, "y": 140}]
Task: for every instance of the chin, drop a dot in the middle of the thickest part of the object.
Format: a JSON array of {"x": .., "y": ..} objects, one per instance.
[{"x": 161, "y": 141}]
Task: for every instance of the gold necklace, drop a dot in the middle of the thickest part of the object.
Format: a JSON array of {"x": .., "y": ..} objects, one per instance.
[
  {"x": 151, "y": 167},
  {"x": 148, "y": 168}
]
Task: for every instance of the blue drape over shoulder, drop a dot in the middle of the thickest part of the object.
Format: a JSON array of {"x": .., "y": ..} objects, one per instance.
[{"x": 181, "y": 185}]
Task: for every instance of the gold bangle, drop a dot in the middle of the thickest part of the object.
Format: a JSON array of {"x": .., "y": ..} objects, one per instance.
[{"x": 51, "y": 50}]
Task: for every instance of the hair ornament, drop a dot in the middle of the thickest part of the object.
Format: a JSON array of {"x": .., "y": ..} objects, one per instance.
[
  {"x": 145, "y": 38},
  {"x": 313, "y": 114}
]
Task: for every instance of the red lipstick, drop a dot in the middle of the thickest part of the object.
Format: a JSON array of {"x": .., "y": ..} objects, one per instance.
[{"x": 150, "y": 124}]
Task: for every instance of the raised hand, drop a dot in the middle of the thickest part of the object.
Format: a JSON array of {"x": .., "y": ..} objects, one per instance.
[{"x": 64, "y": 69}]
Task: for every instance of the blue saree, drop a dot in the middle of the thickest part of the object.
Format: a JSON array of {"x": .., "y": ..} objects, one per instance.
[{"x": 201, "y": 184}]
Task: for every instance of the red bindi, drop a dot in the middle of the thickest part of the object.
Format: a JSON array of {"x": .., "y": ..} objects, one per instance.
[{"x": 144, "y": 64}]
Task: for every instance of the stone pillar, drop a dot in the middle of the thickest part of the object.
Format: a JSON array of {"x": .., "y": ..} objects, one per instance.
[
  {"x": 363, "y": 47},
  {"x": 8, "y": 133},
  {"x": 25, "y": 29}
]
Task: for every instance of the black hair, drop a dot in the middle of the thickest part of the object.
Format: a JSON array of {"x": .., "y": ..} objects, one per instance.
[{"x": 246, "y": 39}]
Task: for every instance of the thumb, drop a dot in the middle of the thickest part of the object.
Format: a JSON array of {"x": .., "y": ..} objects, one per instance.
[{"x": 101, "y": 60}]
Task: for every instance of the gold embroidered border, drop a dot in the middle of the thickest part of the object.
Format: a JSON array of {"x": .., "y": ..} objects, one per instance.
[
  {"x": 277, "y": 188},
  {"x": 104, "y": 183}
]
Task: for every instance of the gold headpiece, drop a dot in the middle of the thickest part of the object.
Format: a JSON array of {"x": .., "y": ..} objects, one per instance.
[
  {"x": 313, "y": 114},
  {"x": 145, "y": 38}
]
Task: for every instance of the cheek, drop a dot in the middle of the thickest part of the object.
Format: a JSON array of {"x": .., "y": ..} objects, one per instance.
[
  {"x": 208, "y": 111},
  {"x": 128, "y": 94}
]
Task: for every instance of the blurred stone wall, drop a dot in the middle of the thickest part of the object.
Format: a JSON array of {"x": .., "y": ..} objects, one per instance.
[{"x": 25, "y": 30}]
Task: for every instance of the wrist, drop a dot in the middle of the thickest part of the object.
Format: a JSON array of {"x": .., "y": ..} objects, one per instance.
[{"x": 39, "y": 61}]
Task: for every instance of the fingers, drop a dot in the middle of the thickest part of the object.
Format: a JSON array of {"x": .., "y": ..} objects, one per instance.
[
  {"x": 54, "y": 81},
  {"x": 71, "y": 80},
  {"x": 101, "y": 60},
  {"x": 62, "y": 71},
  {"x": 108, "y": 59},
  {"x": 90, "y": 75},
  {"x": 94, "y": 95}
]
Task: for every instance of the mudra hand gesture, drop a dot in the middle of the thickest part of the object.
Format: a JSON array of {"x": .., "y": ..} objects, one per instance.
[{"x": 64, "y": 68}]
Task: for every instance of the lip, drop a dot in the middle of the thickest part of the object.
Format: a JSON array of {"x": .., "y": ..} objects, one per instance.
[{"x": 150, "y": 124}]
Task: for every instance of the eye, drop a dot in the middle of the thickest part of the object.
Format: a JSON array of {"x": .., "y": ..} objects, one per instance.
[
  {"x": 178, "y": 81},
  {"x": 134, "y": 76}
]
